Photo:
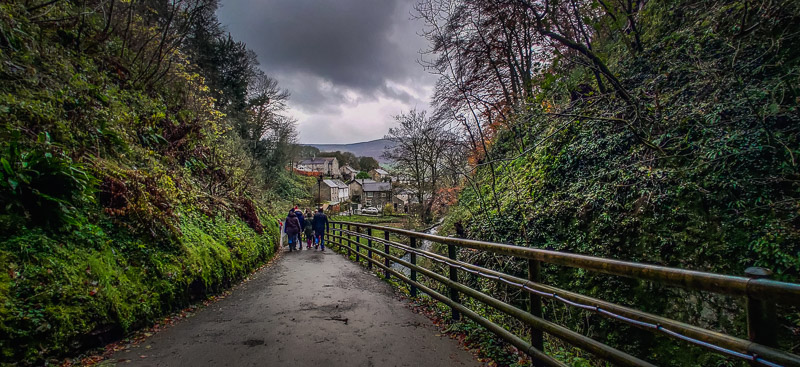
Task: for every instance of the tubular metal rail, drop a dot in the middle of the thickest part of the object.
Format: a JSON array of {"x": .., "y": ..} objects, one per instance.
[{"x": 761, "y": 294}]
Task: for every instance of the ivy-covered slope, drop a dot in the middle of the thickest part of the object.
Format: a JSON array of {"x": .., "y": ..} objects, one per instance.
[
  {"x": 712, "y": 182},
  {"x": 121, "y": 198}
]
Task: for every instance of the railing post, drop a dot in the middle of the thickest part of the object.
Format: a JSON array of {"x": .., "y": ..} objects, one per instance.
[
  {"x": 369, "y": 248},
  {"x": 761, "y": 317},
  {"x": 339, "y": 233},
  {"x": 348, "y": 236},
  {"x": 327, "y": 237},
  {"x": 413, "y": 288},
  {"x": 451, "y": 252},
  {"x": 537, "y": 336},
  {"x": 338, "y": 242},
  {"x": 386, "y": 273},
  {"x": 330, "y": 235},
  {"x": 358, "y": 244}
]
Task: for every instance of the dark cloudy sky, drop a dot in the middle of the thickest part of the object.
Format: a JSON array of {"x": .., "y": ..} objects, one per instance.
[{"x": 349, "y": 64}]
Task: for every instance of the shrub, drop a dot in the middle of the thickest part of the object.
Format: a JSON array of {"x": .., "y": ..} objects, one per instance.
[{"x": 41, "y": 183}]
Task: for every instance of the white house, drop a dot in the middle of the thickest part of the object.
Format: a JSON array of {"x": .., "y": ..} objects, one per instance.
[
  {"x": 329, "y": 191},
  {"x": 344, "y": 190}
]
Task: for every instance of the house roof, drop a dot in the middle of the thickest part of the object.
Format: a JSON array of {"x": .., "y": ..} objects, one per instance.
[
  {"x": 350, "y": 169},
  {"x": 381, "y": 171},
  {"x": 330, "y": 183},
  {"x": 340, "y": 184},
  {"x": 362, "y": 181},
  {"x": 317, "y": 160},
  {"x": 377, "y": 186}
]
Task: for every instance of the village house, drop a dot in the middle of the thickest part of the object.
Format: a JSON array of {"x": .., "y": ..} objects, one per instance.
[
  {"x": 377, "y": 194},
  {"x": 327, "y": 190},
  {"x": 404, "y": 196},
  {"x": 348, "y": 173},
  {"x": 402, "y": 199},
  {"x": 356, "y": 189},
  {"x": 328, "y": 166},
  {"x": 379, "y": 174},
  {"x": 344, "y": 190}
]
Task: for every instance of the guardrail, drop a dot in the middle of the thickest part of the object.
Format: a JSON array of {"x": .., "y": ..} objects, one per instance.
[{"x": 761, "y": 294}]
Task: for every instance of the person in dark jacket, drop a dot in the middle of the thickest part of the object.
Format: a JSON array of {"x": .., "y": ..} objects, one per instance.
[
  {"x": 309, "y": 229},
  {"x": 320, "y": 226},
  {"x": 292, "y": 230},
  {"x": 300, "y": 218}
]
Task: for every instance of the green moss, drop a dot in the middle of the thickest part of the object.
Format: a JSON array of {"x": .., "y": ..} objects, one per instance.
[
  {"x": 120, "y": 201},
  {"x": 56, "y": 292},
  {"x": 721, "y": 198}
]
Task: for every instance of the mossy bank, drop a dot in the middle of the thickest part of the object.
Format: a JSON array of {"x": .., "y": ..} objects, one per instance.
[
  {"x": 127, "y": 187},
  {"x": 78, "y": 290}
]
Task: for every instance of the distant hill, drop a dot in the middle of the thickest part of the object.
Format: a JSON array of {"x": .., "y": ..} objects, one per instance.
[{"x": 372, "y": 148}]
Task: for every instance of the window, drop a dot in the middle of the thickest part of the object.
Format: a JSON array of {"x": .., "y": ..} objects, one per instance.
[
  {"x": 369, "y": 194},
  {"x": 383, "y": 194}
]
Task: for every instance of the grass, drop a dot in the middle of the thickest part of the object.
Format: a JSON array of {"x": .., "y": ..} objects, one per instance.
[{"x": 379, "y": 219}]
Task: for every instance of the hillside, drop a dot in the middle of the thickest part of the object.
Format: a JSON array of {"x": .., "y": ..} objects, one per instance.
[
  {"x": 373, "y": 148},
  {"x": 129, "y": 187},
  {"x": 682, "y": 153}
]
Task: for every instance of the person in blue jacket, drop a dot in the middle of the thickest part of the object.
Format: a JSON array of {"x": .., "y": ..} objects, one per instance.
[{"x": 320, "y": 226}]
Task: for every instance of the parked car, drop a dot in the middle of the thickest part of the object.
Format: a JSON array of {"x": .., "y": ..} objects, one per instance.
[{"x": 371, "y": 210}]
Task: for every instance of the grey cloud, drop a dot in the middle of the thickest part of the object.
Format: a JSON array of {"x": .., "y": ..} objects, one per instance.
[
  {"x": 322, "y": 130},
  {"x": 332, "y": 53},
  {"x": 347, "y": 42},
  {"x": 308, "y": 92},
  {"x": 398, "y": 94}
]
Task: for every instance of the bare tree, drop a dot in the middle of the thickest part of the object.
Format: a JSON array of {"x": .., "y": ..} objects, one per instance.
[
  {"x": 269, "y": 135},
  {"x": 266, "y": 100},
  {"x": 485, "y": 54},
  {"x": 421, "y": 144}
]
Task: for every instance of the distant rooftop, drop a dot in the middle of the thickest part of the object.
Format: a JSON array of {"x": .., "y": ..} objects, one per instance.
[
  {"x": 381, "y": 171},
  {"x": 362, "y": 181},
  {"x": 377, "y": 186},
  {"x": 340, "y": 184},
  {"x": 317, "y": 160}
]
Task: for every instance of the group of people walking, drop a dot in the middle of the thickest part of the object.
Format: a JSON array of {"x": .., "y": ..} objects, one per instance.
[{"x": 298, "y": 224}]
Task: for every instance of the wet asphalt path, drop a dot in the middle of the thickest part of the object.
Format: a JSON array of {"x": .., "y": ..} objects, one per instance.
[{"x": 309, "y": 308}]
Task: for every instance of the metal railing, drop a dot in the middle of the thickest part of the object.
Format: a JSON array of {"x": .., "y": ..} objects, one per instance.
[{"x": 761, "y": 295}]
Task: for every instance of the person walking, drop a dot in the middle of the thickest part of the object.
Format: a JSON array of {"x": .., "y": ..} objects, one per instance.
[
  {"x": 302, "y": 221},
  {"x": 281, "y": 232},
  {"x": 309, "y": 229},
  {"x": 292, "y": 230},
  {"x": 320, "y": 226}
]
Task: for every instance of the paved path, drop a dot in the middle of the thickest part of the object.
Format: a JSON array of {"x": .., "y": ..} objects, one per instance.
[{"x": 293, "y": 314}]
